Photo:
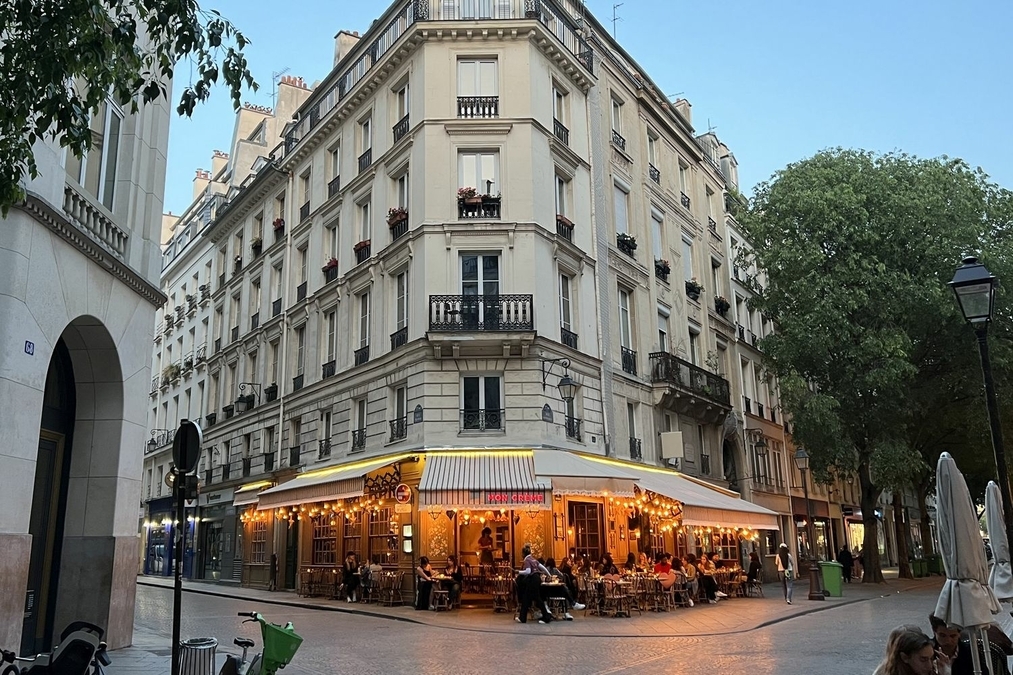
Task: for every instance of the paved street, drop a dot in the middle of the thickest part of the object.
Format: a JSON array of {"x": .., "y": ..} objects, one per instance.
[{"x": 845, "y": 636}]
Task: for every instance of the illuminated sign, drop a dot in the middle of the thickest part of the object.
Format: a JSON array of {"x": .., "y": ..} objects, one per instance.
[
  {"x": 509, "y": 498},
  {"x": 403, "y": 494}
]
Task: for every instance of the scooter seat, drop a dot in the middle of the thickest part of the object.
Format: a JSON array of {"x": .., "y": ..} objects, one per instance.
[{"x": 244, "y": 643}]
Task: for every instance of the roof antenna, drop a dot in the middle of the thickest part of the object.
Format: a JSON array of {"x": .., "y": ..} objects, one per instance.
[
  {"x": 710, "y": 127},
  {"x": 615, "y": 18},
  {"x": 275, "y": 76}
]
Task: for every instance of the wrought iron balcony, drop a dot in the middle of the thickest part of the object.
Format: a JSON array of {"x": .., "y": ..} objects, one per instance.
[
  {"x": 399, "y": 229},
  {"x": 361, "y": 355},
  {"x": 365, "y": 160},
  {"x": 328, "y": 369},
  {"x": 654, "y": 173},
  {"x": 358, "y": 439},
  {"x": 712, "y": 225},
  {"x": 398, "y": 429},
  {"x": 300, "y": 292},
  {"x": 295, "y": 456},
  {"x": 705, "y": 465},
  {"x": 333, "y": 186},
  {"x": 689, "y": 378},
  {"x": 297, "y": 382},
  {"x": 564, "y": 228},
  {"x": 684, "y": 199},
  {"x": 276, "y": 308},
  {"x": 568, "y": 338},
  {"x": 399, "y": 338},
  {"x": 304, "y": 212},
  {"x": 560, "y": 132},
  {"x": 362, "y": 251},
  {"x": 330, "y": 274},
  {"x": 200, "y": 355},
  {"x": 741, "y": 331},
  {"x": 324, "y": 448},
  {"x": 400, "y": 129},
  {"x": 480, "y": 312},
  {"x": 477, "y": 107},
  {"x": 636, "y": 449},
  {"x": 629, "y": 360},
  {"x": 488, "y": 208},
  {"x": 483, "y": 419},
  {"x": 573, "y": 428},
  {"x": 154, "y": 385},
  {"x": 618, "y": 140},
  {"x": 626, "y": 244}
]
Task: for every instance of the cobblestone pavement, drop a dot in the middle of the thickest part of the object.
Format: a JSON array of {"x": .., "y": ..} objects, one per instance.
[{"x": 763, "y": 635}]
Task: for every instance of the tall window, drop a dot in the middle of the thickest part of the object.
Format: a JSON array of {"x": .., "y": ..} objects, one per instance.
[
  {"x": 400, "y": 402},
  {"x": 586, "y": 521},
  {"x": 621, "y": 199},
  {"x": 360, "y": 413},
  {"x": 303, "y": 256},
  {"x": 365, "y": 135},
  {"x": 304, "y": 182},
  {"x": 481, "y": 402},
  {"x": 694, "y": 345},
  {"x": 652, "y": 149},
  {"x": 96, "y": 171},
  {"x": 352, "y": 531},
  {"x": 565, "y": 316},
  {"x": 687, "y": 258},
  {"x": 276, "y": 275},
  {"x": 401, "y": 300},
  {"x": 683, "y": 178},
  {"x": 403, "y": 190},
  {"x": 258, "y": 542},
  {"x": 300, "y": 354},
  {"x": 662, "y": 330},
  {"x": 334, "y": 160},
  {"x": 365, "y": 228},
  {"x": 401, "y": 102},
  {"x": 363, "y": 319},
  {"x": 657, "y": 234},
  {"x": 477, "y": 77},
  {"x": 479, "y": 170},
  {"x": 561, "y": 195},
  {"x": 273, "y": 351},
  {"x": 332, "y": 325},
  {"x": 617, "y": 116},
  {"x": 255, "y": 297},
  {"x": 324, "y": 541},
  {"x": 479, "y": 277},
  {"x": 559, "y": 104},
  {"x": 625, "y": 332},
  {"x": 383, "y": 535},
  {"x": 331, "y": 239}
]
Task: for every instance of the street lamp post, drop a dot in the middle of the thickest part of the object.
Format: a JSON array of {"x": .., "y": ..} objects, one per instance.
[
  {"x": 975, "y": 289},
  {"x": 815, "y": 580}
]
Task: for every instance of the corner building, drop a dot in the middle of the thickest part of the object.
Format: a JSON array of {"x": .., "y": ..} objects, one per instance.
[{"x": 444, "y": 300}]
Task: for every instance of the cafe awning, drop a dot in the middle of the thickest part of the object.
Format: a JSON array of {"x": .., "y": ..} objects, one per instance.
[
  {"x": 328, "y": 484},
  {"x": 703, "y": 505},
  {"x": 494, "y": 479},
  {"x": 572, "y": 474},
  {"x": 249, "y": 493}
]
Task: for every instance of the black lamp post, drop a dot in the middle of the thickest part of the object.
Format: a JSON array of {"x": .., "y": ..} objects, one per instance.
[
  {"x": 815, "y": 580},
  {"x": 243, "y": 403},
  {"x": 975, "y": 289}
]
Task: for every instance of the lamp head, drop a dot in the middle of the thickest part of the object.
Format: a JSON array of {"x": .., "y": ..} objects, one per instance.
[
  {"x": 975, "y": 288},
  {"x": 802, "y": 459},
  {"x": 567, "y": 388}
]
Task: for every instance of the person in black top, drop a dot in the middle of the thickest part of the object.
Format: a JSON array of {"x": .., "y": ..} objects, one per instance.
[
  {"x": 350, "y": 577},
  {"x": 755, "y": 571},
  {"x": 847, "y": 561},
  {"x": 607, "y": 566},
  {"x": 454, "y": 572}
]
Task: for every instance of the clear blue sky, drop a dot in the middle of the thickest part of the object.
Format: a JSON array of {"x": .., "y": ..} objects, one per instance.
[{"x": 777, "y": 80}]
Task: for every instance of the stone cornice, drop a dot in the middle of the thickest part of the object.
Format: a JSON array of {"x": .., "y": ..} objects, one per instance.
[
  {"x": 245, "y": 200},
  {"x": 44, "y": 213}
]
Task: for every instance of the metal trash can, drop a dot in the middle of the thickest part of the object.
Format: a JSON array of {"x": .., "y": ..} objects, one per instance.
[
  {"x": 833, "y": 578},
  {"x": 197, "y": 656}
]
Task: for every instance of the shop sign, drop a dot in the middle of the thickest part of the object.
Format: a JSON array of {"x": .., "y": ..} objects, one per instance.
[
  {"x": 216, "y": 497},
  {"x": 403, "y": 494},
  {"x": 511, "y": 498},
  {"x": 402, "y": 508}
]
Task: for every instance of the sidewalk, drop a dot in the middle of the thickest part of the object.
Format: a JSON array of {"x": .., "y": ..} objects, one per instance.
[{"x": 150, "y": 652}]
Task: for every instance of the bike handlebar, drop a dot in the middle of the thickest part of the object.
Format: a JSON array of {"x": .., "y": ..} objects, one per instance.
[{"x": 252, "y": 615}]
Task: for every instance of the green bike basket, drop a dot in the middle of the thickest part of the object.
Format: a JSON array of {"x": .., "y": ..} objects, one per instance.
[{"x": 280, "y": 645}]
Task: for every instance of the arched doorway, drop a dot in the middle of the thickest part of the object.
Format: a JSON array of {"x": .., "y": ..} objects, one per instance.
[{"x": 49, "y": 502}]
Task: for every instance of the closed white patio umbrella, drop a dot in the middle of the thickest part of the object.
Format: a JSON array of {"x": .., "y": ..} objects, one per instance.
[
  {"x": 1000, "y": 576},
  {"x": 966, "y": 600}
]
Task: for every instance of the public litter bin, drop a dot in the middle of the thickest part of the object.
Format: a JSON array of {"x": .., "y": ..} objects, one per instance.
[
  {"x": 833, "y": 578},
  {"x": 936, "y": 564},
  {"x": 197, "y": 656},
  {"x": 920, "y": 568}
]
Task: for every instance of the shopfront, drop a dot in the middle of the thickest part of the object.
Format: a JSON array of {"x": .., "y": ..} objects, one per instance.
[
  {"x": 816, "y": 540},
  {"x": 260, "y": 568},
  {"x": 218, "y": 536},
  {"x": 159, "y": 552}
]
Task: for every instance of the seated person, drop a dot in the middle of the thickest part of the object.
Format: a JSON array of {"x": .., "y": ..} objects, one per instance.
[
  {"x": 424, "y": 572},
  {"x": 453, "y": 571},
  {"x": 607, "y": 568},
  {"x": 560, "y": 592},
  {"x": 755, "y": 569},
  {"x": 692, "y": 574},
  {"x": 664, "y": 564},
  {"x": 630, "y": 567}
]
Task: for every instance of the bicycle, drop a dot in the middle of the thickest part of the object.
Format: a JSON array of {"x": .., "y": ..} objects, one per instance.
[
  {"x": 80, "y": 652},
  {"x": 12, "y": 659},
  {"x": 280, "y": 646}
]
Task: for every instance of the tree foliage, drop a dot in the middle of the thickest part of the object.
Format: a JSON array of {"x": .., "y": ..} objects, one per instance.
[
  {"x": 875, "y": 363},
  {"x": 62, "y": 58}
]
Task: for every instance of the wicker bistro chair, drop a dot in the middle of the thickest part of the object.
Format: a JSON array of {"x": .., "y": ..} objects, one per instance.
[
  {"x": 441, "y": 599},
  {"x": 679, "y": 591},
  {"x": 617, "y": 601},
  {"x": 502, "y": 594},
  {"x": 390, "y": 588},
  {"x": 587, "y": 593}
]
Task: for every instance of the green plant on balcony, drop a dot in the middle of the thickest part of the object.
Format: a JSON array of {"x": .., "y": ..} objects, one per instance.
[
  {"x": 329, "y": 265},
  {"x": 468, "y": 195},
  {"x": 626, "y": 241},
  {"x": 172, "y": 371},
  {"x": 278, "y": 224},
  {"x": 396, "y": 215},
  {"x": 662, "y": 267},
  {"x": 693, "y": 289},
  {"x": 721, "y": 306},
  {"x": 257, "y": 245}
]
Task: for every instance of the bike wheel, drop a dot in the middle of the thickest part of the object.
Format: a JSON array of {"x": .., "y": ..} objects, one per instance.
[
  {"x": 256, "y": 665},
  {"x": 230, "y": 667}
]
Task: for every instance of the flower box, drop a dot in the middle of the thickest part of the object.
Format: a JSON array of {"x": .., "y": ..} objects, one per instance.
[
  {"x": 257, "y": 245},
  {"x": 693, "y": 289},
  {"x": 279, "y": 224},
  {"x": 361, "y": 245},
  {"x": 396, "y": 215},
  {"x": 329, "y": 265},
  {"x": 721, "y": 306},
  {"x": 662, "y": 267}
]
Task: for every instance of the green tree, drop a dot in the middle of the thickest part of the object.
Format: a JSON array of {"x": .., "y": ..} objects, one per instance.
[
  {"x": 62, "y": 58},
  {"x": 856, "y": 249}
]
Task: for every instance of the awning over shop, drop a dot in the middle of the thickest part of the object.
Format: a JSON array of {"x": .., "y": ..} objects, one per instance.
[
  {"x": 703, "y": 505},
  {"x": 337, "y": 482},
  {"x": 492, "y": 479},
  {"x": 572, "y": 474},
  {"x": 248, "y": 494}
]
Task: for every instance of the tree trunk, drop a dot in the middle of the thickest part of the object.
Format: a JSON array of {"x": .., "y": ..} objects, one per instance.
[
  {"x": 872, "y": 573},
  {"x": 900, "y": 529},
  {"x": 922, "y": 490}
]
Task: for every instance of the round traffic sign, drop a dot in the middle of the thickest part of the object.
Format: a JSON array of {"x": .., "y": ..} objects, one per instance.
[{"x": 403, "y": 494}]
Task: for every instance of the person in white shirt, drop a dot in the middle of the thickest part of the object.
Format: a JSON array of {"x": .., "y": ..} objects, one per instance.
[{"x": 785, "y": 570}]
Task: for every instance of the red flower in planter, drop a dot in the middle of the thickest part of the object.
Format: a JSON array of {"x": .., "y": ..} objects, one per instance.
[{"x": 330, "y": 264}]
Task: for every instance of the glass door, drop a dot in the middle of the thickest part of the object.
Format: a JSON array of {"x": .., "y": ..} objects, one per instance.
[{"x": 480, "y": 308}]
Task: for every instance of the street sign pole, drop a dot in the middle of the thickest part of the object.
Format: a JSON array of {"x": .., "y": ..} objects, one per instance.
[{"x": 185, "y": 454}]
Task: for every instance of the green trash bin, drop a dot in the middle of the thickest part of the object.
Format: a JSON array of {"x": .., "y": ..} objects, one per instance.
[
  {"x": 833, "y": 578},
  {"x": 923, "y": 568},
  {"x": 936, "y": 564}
]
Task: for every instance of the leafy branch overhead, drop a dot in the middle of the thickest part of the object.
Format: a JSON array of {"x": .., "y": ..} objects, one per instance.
[{"x": 64, "y": 58}]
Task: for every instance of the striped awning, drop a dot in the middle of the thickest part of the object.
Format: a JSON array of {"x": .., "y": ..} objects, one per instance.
[
  {"x": 483, "y": 480},
  {"x": 337, "y": 482}
]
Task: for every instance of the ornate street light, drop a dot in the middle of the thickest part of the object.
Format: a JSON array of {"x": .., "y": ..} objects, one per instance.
[
  {"x": 975, "y": 289},
  {"x": 242, "y": 403},
  {"x": 815, "y": 580},
  {"x": 567, "y": 389}
]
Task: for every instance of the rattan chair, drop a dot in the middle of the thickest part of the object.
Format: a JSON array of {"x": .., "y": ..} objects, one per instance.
[{"x": 502, "y": 594}]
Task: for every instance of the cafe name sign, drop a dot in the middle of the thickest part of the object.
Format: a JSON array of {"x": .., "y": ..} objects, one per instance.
[{"x": 514, "y": 498}]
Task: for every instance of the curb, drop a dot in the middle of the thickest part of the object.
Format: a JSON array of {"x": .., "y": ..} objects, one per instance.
[{"x": 508, "y": 631}]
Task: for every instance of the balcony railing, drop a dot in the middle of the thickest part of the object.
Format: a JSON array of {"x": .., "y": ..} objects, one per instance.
[
  {"x": 365, "y": 160},
  {"x": 91, "y": 218},
  {"x": 398, "y": 429},
  {"x": 618, "y": 140},
  {"x": 560, "y": 132},
  {"x": 358, "y": 439},
  {"x": 741, "y": 331},
  {"x": 328, "y": 369},
  {"x": 669, "y": 368},
  {"x": 324, "y": 450},
  {"x": 294, "y": 456},
  {"x": 573, "y": 428},
  {"x": 489, "y": 208},
  {"x": 361, "y": 355},
  {"x": 363, "y": 252},
  {"x": 483, "y": 419},
  {"x": 297, "y": 382},
  {"x": 636, "y": 449},
  {"x": 205, "y": 292},
  {"x": 568, "y": 338},
  {"x": 200, "y": 355},
  {"x": 759, "y": 409},
  {"x": 333, "y": 186},
  {"x": 626, "y": 244},
  {"x": 654, "y": 173},
  {"x": 304, "y": 212},
  {"x": 480, "y": 312},
  {"x": 154, "y": 385},
  {"x": 684, "y": 199},
  {"x": 400, "y": 129},
  {"x": 276, "y": 308},
  {"x": 560, "y": 23},
  {"x": 330, "y": 274},
  {"x": 477, "y": 107},
  {"x": 747, "y": 404},
  {"x": 564, "y": 227},
  {"x": 712, "y": 225},
  {"x": 629, "y": 360},
  {"x": 399, "y": 338},
  {"x": 300, "y": 292},
  {"x": 705, "y": 465},
  {"x": 399, "y": 229}
]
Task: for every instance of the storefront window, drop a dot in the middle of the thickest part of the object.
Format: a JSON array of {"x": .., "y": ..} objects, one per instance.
[
  {"x": 324, "y": 543},
  {"x": 586, "y": 521},
  {"x": 353, "y": 532},
  {"x": 258, "y": 542},
  {"x": 770, "y": 543},
  {"x": 383, "y": 535}
]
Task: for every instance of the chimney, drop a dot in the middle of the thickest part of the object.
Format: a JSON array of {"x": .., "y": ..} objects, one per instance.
[
  {"x": 218, "y": 161},
  {"x": 682, "y": 106},
  {"x": 200, "y": 183},
  {"x": 344, "y": 42}
]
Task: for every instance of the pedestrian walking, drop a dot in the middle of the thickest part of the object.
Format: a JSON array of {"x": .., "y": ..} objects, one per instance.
[
  {"x": 786, "y": 570},
  {"x": 846, "y": 561}
]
